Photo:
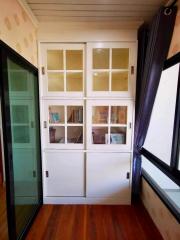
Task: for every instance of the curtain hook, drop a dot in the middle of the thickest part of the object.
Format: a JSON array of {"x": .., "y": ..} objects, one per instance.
[{"x": 167, "y": 11}]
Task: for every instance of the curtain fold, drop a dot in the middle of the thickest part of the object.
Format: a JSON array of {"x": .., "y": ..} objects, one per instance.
[
  {"x": 157, "y": 50},
  {"x": 142, "y": 46}
]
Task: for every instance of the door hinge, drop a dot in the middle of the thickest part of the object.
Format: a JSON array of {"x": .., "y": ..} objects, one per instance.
[
  {"x": 45, "y": 124},
  {"x": 47, "y": 174},
  {"x": 128, "y": 175},
  {"x": 132, "y": 69},
  {"x": 43, "y": 70}
]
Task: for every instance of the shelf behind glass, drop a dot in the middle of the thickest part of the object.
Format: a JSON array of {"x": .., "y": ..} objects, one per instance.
[{"x": 56, "y": 114}]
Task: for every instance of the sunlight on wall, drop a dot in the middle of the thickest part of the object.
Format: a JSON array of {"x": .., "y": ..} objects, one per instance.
[
  {"x": 17, "y": 30},
  {"x": 175, "y": 43},
  {"x": 164, "y": 220}
]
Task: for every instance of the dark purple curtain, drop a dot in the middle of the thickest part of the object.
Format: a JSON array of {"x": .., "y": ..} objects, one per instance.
[
  {"x": 157, "y": 49},
  {"x": 142, "y": 46}
]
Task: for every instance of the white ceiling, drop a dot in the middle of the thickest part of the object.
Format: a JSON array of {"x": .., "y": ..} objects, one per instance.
[{"x": 94, "y": 10}]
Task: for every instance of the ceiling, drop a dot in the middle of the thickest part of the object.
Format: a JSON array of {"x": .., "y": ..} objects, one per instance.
[{"x": 94, "y": 10}]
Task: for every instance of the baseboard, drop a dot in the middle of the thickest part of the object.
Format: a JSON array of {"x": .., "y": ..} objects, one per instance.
[{"x": 87, "y": 200}]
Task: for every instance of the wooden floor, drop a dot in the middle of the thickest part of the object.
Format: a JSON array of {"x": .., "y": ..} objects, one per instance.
[
  {"x": 93, "y": 222},
  {"x": 3, "y": 216}
]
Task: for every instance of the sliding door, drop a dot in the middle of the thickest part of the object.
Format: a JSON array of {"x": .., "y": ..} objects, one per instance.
[{"x": 19, "y": 91}]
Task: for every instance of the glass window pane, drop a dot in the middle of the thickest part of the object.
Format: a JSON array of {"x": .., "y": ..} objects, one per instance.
[
  {"x": 100, "y": 81},
  {"x": 100, "y": 114},
  {"x": 74, "y": 59},
  {"x": 99, "y": 135},
  {"x": 18, "y": 81},
  {"x": 74, "y": 82},
  {"x": 75, "y": 134},
  {"x": 118, "y": 135},
  {"x": 56, "y": 114},
  {"x": 55, "y": 82},
  {"x": 56, "y": 134},
  {"x": 101, "y": 58},
  {"x": 55, "y": 60},
  {"x": 25, "y": 154},
  {"x": 20, "y": 114},
  {"x": 119, "y": 81},
  {"x": 21, "y": 134},
  {"x": 75, "y": 114},
  {"x": 120, "y": 58},
  {"x": 160, "y": 132},
  {"x": 119, "y": 114}
]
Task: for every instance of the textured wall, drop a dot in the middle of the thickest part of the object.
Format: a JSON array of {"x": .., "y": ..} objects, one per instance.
[
  {"x": 17, "y": 30},
  {"x": 164, "y": 220},
  {"x": 175, "y": 43}
]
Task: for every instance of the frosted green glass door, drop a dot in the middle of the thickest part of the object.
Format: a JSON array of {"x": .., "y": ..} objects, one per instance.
[
  {"x": 25, "y": 142},
  {"x": 22, "y": 141}
]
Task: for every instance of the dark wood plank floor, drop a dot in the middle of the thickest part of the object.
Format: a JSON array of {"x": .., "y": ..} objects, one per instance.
[
  {"x": 3, "y": 215},
  {"x": 93, "y": 222}
]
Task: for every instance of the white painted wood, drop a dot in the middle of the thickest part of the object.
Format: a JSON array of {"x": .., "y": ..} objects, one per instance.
[
  {"x": 129, "y": 21},
  {"x": 92, "y": 13},
  {"x": 66, "y": 174},
  {"x": 110, "y": 147},
  {"x": 93, "y": 7},
  {"x": 106, "y": 175},
  {"x": 131, "y": 76},
  {"x": 128, "y": 2},
  {"x": 66, "y": 163},
  {"x": 79, "y": 10},
  {"x": 121, "y": 200}
]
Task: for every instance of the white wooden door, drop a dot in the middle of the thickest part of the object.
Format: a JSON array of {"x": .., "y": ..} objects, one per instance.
[
  {"x": 64, "y": 174},
  {"x": 62, "y": 73},
  {"x": 111, "y": 69},
  {"x": 109, "y": 125},
  {"x": 63, "y": 124},
  {"x": 108, "y": 175}
]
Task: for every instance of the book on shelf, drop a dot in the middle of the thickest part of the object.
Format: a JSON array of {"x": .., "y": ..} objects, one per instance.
[
  {"x": 76, "y": 116},
  {"x": 117, "y": 138},
  {"x": 122, "y": 115},
  {"x": 54, "y": 117}
]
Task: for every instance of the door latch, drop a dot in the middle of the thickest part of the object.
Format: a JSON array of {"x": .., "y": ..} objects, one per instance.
[
  {"x": 45, "y": 124},
  {"x": 43, "y": 70},
  {"x": 47, "y": 174}
]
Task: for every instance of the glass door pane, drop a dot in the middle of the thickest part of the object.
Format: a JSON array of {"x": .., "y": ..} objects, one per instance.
[
  {"x": 119, "y": 114},
  {"x": 100, "y": 114},
  {"x": 55, "y": 60},
  {"x": 23, "y": 139},
  {"x": 120, "y": 58},
  {"x": 100, "y": 81},
  {"x": 63, "y": 69},
  {"x": 101, "y": 58}
]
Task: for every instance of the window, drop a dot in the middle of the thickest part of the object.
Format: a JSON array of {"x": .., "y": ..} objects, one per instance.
[{"x": 160, "y": 154}]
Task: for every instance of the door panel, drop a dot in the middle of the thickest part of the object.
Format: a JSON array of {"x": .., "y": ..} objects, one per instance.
[
  {"x": 21, "y": 137},
  {"x": 107, "y": 175},
  {"x": 65, "y": 176}
]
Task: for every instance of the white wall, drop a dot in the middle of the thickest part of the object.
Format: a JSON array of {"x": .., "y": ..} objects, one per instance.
[{"x": 86, "y": 32}]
